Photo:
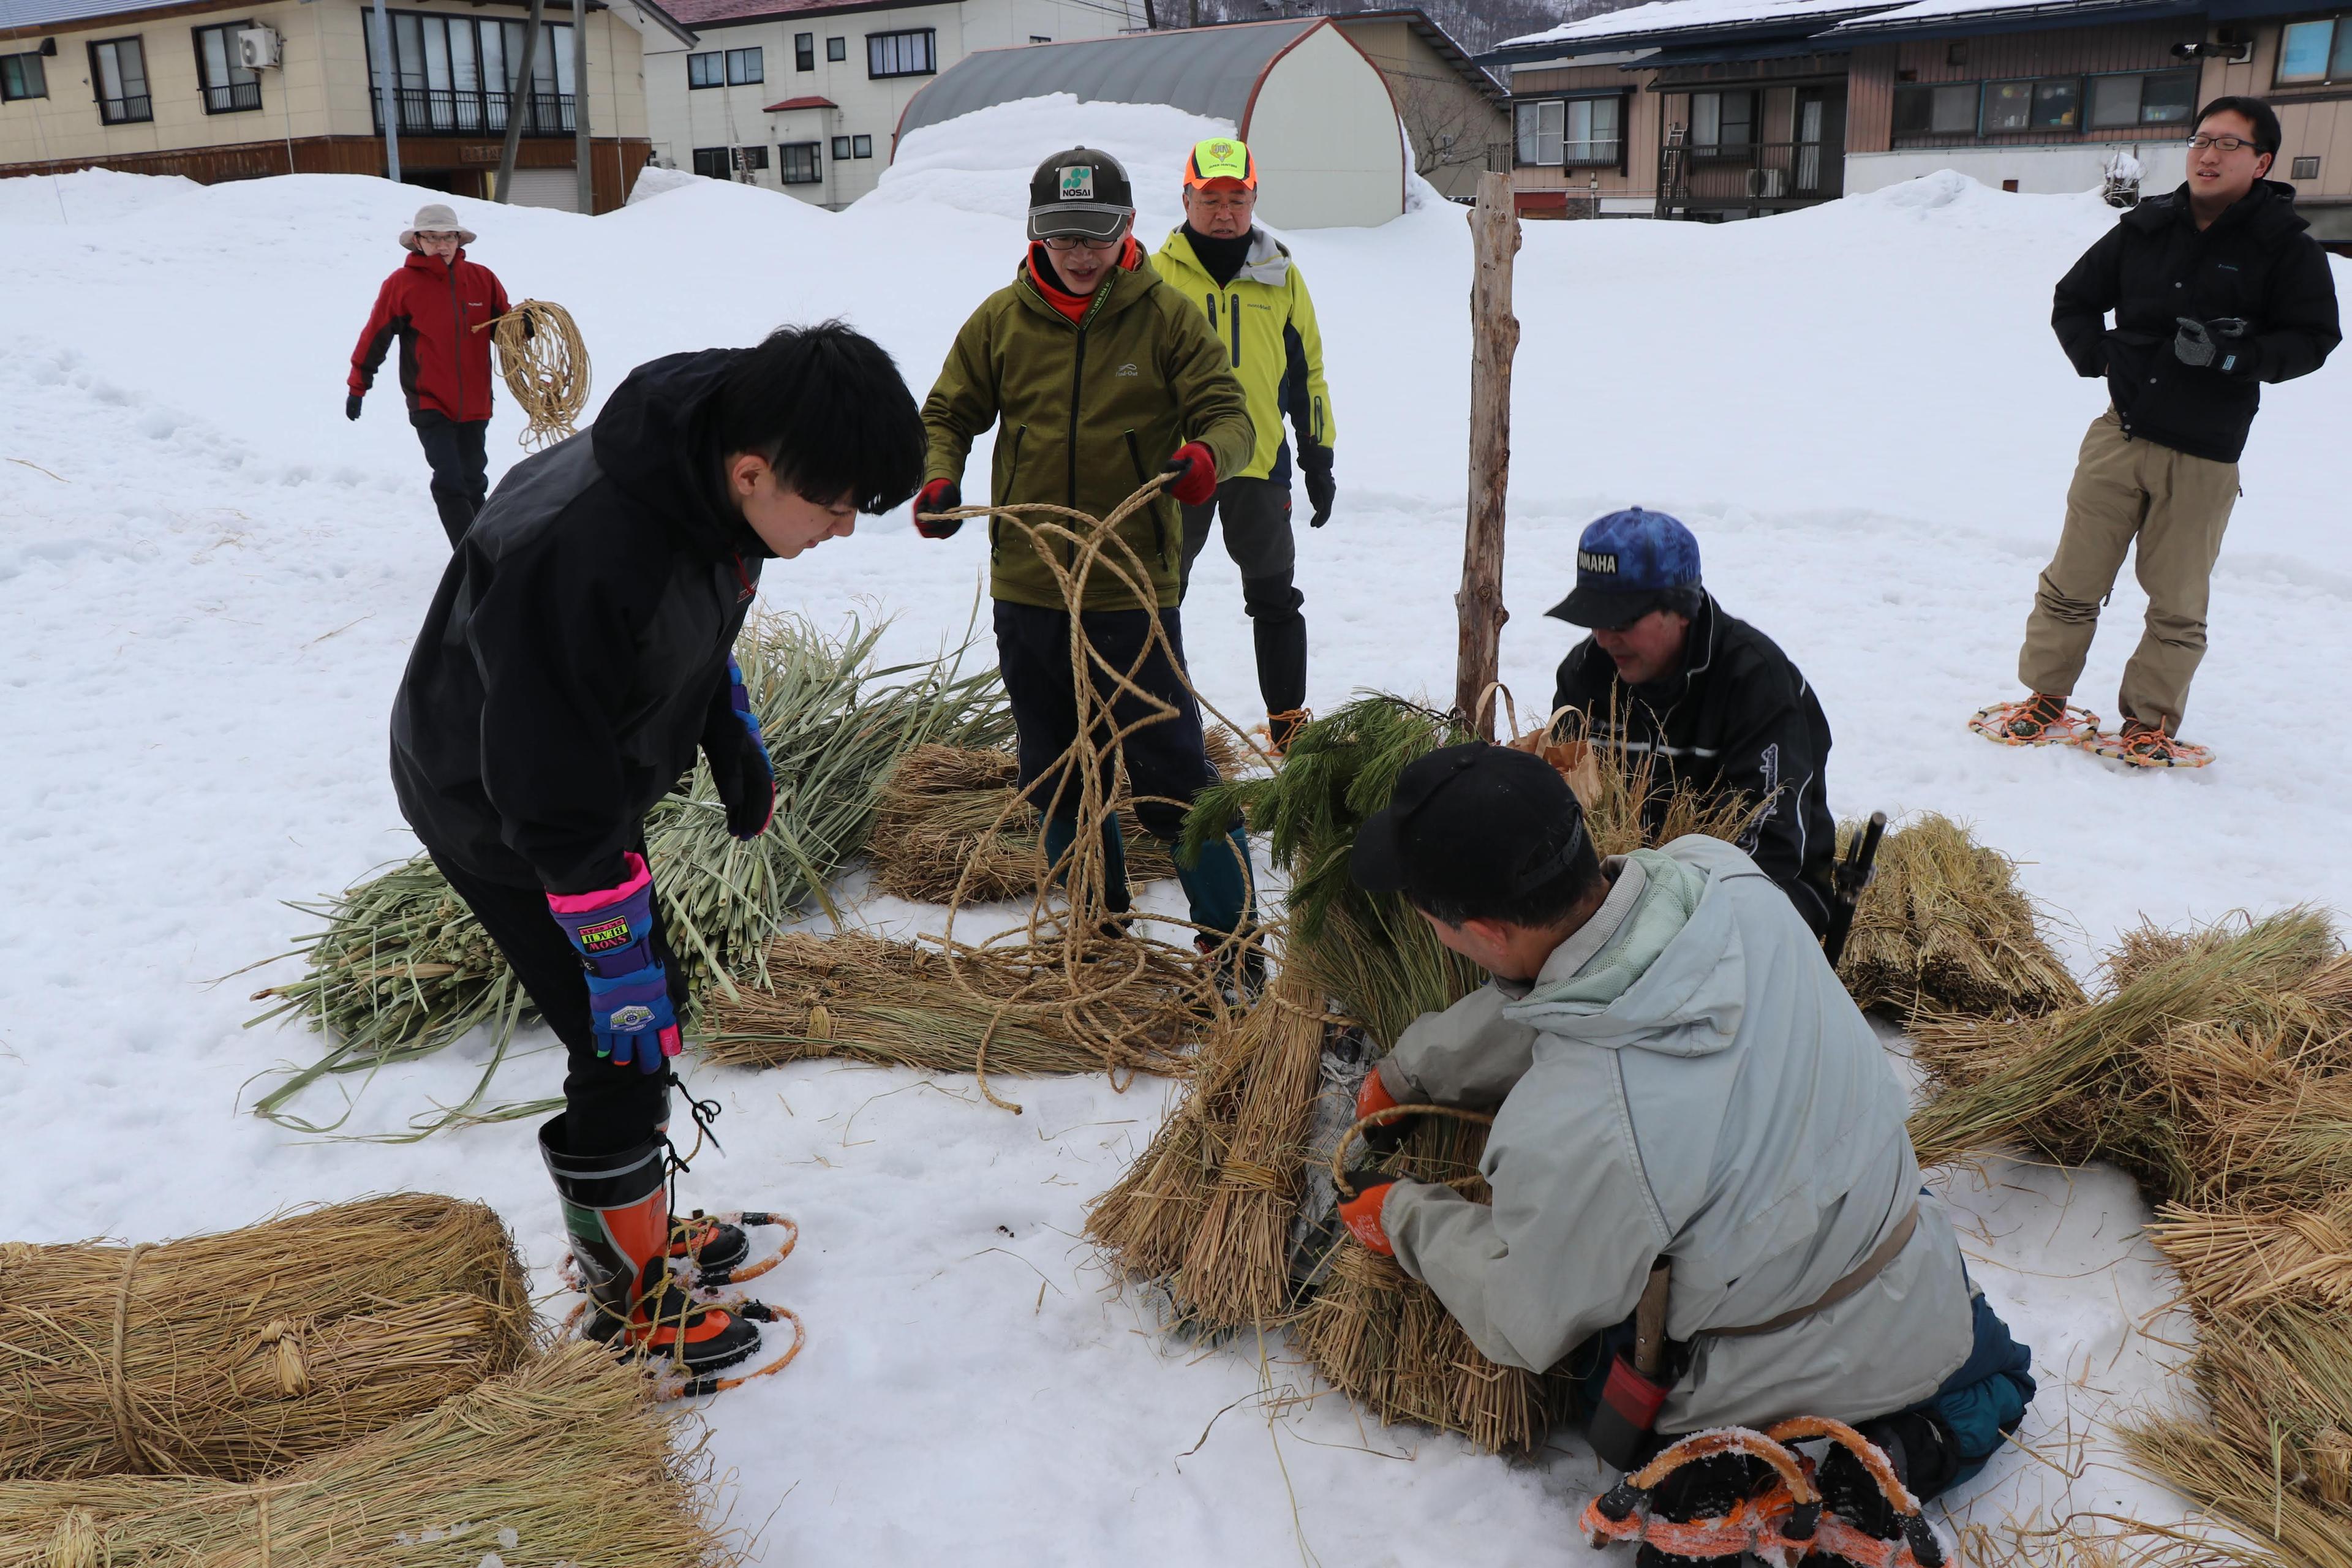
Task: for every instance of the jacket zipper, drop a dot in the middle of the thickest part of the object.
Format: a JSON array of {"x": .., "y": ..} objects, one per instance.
[
  {"x": 1233, "y": 323},
  {"x": 741, "y": 576},
  {"x": 458, "y": 314}
]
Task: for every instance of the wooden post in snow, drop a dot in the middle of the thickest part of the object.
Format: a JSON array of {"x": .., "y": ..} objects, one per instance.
[{"x": 1494, "y": 338}]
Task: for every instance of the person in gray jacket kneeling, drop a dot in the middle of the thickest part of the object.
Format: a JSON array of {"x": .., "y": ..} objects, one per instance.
[{"x": 1704, "y": 1198}]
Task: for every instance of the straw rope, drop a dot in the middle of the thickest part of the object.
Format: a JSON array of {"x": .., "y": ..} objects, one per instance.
[
  {"x": 1387, "y": 1114},
  {"x": 1088, "y": 967},
  {"x": 545, "y": 364},
  {"x": 118, "y": 1384}
]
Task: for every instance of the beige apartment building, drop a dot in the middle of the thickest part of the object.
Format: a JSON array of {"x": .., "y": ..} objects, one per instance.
[{"x": 227, "y": 89}]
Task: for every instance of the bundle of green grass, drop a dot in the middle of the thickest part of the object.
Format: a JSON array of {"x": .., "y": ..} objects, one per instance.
[{"x": 402, "y": 969}]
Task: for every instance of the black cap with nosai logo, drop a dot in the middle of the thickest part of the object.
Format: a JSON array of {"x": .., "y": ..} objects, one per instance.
[
  {"x": 1472, "y": 825},
  {"x": 1081, "y": 192}
]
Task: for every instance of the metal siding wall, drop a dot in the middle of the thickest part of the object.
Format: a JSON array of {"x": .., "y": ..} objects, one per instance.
[
  {"x": 1640, "y": 130},
  {"x": 1327, "y": 130},
  {"x": 2072, "y": 51},
  {"x": 1869, "y": 100}
]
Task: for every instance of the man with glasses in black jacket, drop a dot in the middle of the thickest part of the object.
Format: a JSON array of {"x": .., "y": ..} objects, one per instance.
[{"x": 2216, "y": 288}]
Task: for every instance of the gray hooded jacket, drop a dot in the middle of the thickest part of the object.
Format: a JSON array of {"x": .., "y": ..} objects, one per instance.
[{"x": 1686, "y": 1079}]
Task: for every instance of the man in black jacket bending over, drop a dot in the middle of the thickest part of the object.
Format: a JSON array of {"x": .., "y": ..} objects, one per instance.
[
  {"x": 2216, "y": 288},
  {"x": 1667, "y": 673},
  {"x": 578, "y": 653}
]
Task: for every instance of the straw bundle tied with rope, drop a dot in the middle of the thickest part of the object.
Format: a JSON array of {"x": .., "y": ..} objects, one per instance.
[
  {"x": 545, "y": 364},
  {"x": 562, "y": 1460},
  {"x": 401, "y": 968},
  {"x": 900, "y": 1003},
  {"x": 2217, "y": 1068},
  {"x": 933, "y": 825},
  {"x": 235, "y": 1354},
  {"x": 1943, "y": 928}
]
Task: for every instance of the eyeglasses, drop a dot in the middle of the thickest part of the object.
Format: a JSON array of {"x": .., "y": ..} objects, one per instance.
[
  {"x": 1071, "y": 242},
  {"x": 435, "y": 236},
  {"x": 2219, "y": 143}
]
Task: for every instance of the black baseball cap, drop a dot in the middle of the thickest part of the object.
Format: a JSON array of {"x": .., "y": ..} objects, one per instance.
[
  {"x": 1082, "y": 191},
  {"x": 1473, "y": 824}
]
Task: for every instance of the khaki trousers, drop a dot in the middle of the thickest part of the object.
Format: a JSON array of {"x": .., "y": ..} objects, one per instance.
[{"x": 2175, "y": 506}]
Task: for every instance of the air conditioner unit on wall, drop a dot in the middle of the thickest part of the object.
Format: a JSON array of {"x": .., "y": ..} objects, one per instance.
[
  {"x": 1768, "y": 183},
  {"x": 256, "y": 48}
]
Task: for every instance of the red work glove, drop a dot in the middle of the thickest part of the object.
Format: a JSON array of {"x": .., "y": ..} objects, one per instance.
[
  {"x": 1361, "y": 1215},
  {"x": 939, "y": 495},
  {"x": 1386, "y": 1137},
  {"x": 1196, "y": 474}
]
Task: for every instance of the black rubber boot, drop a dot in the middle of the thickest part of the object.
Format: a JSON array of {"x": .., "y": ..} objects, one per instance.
[
  {"x": 712, "y": 1246},
  {"x": 1914, "y": 1445},
  {"x": 617, "y": 1215}
]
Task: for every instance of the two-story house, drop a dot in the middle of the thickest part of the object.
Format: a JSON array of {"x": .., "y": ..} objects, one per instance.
[
  {"x": 803, "y": 96},
  {"x": 226, "y": 89}
]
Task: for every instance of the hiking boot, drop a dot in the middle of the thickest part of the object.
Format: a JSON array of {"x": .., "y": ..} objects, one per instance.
[
  {"x": 2145, "y": 745},
  {"x": 1281, "y": 727},
  {"x": 2041, "y": 719}
]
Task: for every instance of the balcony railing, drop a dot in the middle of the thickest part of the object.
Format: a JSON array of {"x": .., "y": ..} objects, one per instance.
[
  {"x": 236, "y": 95},
  {"x": 1760, "y": 176},
  {"x": 125, "y": 111},
  {"x": 443, "y": 112}
]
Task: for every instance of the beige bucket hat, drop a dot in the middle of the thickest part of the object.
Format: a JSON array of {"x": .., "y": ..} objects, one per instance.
[{"x": 435, "y": 217}]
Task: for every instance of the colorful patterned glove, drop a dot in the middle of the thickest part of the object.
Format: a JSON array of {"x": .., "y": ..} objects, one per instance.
[
  {"x": 628, "y": 988},
  {"x": 740, "y": 768}
]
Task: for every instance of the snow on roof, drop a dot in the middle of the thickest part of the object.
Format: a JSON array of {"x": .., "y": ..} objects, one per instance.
[
  {"x": 1671, "y": 16},
  {"x": 1207, "y": 71},
  {"x": 1925, "y": 13}
]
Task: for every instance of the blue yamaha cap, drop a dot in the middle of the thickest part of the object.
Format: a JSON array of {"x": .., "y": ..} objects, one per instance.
[{"x": 1627, "y": 565}]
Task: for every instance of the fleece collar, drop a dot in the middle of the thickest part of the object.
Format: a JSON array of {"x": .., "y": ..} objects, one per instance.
[{"x": 1072, "y": 307}]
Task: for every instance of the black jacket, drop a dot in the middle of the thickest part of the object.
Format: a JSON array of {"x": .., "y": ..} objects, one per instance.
[
  {"x": 576, "y": 649},
  {"x": 1738, "y": 718},
  {"x": 2155, "y": 267}
]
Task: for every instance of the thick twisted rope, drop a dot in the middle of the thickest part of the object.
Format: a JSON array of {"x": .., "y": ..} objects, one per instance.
[
  {"x": 1090, "y": 976},
  {"x": 545, "y": 364}
]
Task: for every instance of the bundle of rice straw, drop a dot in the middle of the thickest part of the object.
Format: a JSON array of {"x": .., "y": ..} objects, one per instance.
[
  {"x": 401, "y": 968},
  {"x": 947, "y": 822},
  {"x": 897, "y": 1002},
  {"x": 1943, "y": 928},
  {"x": 2217, "y": 1068},
  {"x": 231, "y": 1355},
  {"x": 562, "y": 1460}
]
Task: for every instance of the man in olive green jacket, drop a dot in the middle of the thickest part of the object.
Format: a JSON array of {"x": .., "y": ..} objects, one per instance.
[{"x": 1094, "y": 373}]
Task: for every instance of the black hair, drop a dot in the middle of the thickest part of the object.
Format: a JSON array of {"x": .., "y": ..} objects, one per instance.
[
  {"x": 829, "y": 411},
  {"x": 1548, "y": 903},
  {"x": 2259, "y": 115}
]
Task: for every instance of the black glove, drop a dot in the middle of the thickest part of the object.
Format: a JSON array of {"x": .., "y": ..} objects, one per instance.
[
  {"x": 351, "y": 406},
  {"x": 1315, "y": 464},
  {"x": 939, "y": 495},
  {"x": 740, "y": 769},
  {"x": 2218, "y": 344}
]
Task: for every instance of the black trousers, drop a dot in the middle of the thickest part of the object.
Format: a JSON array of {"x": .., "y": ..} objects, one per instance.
[
  {"x": 1257, "y": 517},
  {"x": 1163, "y": 758},
  {"x": 461, "y": 468},
  {"x": 607, "y": 1109}
]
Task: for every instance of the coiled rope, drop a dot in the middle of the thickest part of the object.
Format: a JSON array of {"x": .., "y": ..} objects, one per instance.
[
  {"x": 545, "y": 365},
  {"x": 1082, "y": 973}
]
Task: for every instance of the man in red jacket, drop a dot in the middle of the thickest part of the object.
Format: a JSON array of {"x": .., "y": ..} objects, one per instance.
[{"x": 440, "y": 305}]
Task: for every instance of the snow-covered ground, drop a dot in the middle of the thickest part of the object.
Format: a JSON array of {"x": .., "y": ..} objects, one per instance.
[{"x": 208, "y": 580}]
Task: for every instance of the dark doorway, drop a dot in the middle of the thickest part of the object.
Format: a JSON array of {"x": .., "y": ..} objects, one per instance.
[
  {"x": 449, "y": 182},
  {"x": 1821, "y": 142}
]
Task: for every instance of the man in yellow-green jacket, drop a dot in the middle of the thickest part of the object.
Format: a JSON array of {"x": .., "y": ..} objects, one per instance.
[
  {"x": 1096, "y": 377},
  {"x": 1258, "y": 307}
]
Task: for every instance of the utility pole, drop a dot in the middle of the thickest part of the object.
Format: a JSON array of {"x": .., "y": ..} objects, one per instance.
[
  {"x": 523, "y": 99},
  {"x": 1494, "y": 340},
  {"x": 587, "y": 176},
  {"x": 386, "y": 85}
]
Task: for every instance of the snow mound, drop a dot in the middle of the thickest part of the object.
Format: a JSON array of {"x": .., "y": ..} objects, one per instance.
[
  {"x": 657, "y": 182},
  {"x": 981, "y": 162},
  {"x": 89, "y": 195}
]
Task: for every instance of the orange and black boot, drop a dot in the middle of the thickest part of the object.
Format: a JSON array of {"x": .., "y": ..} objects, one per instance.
[
  {"x": 713, "y": 1249},
  {"x": 616, "y": 1216}
]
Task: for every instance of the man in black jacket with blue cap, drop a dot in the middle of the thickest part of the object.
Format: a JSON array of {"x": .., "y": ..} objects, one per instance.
[{"x": 1666, "y": 672}]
